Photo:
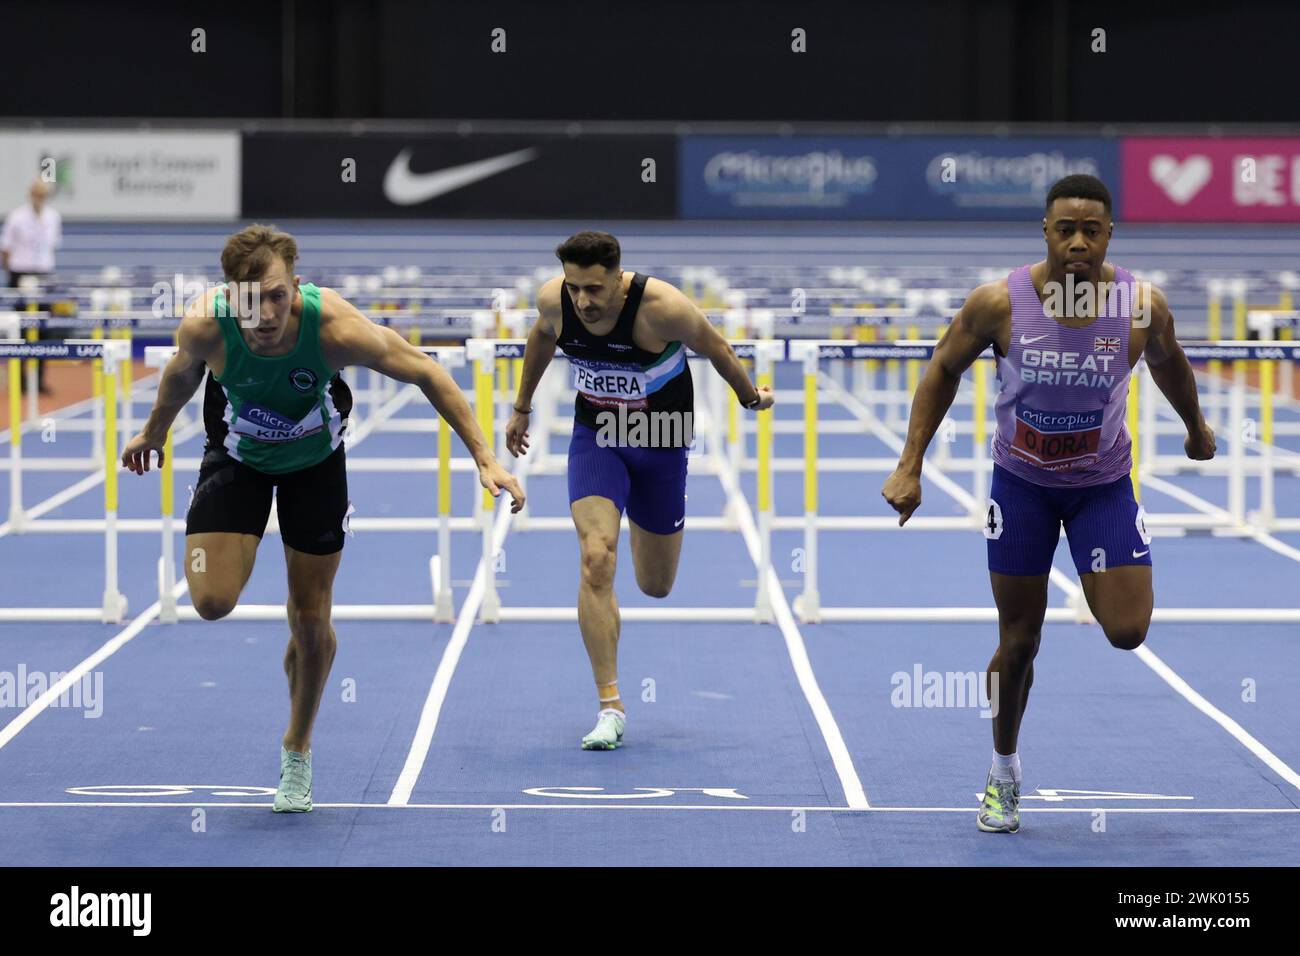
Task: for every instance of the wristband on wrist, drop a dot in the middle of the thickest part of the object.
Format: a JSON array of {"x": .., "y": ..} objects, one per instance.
[
  {"x": 523, "y": 411},
  {"x": 758, "y": 397}
]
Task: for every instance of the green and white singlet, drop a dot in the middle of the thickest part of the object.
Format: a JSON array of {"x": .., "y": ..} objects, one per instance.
[{"x": 276, "y": 413}]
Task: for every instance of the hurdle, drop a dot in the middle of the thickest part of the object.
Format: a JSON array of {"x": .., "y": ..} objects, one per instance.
[
  {"x": 96, "y": 324},
  {"x": 1234, "y": 521},
  {"x": 112, "y": 352},
  {"x": 484, "y": 353},
  {"x": 487, "y": 398},
  {"x": 441, "y": 610}
]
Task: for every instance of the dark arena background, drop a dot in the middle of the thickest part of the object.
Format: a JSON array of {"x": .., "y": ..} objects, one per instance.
[{"x": 826, "y": 184}]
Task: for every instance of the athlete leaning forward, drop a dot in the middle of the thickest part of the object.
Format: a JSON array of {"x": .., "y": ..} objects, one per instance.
[
  {"x": 625, "y": 335},
  {"x": 276, "y": 415},
  {"x": 1066, "y": 331}
]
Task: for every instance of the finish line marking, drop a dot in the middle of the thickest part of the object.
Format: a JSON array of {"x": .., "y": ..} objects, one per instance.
[{"x": 265, "y": 807}]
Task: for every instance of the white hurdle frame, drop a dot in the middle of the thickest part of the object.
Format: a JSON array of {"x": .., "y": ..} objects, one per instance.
[
  {"x": 483, "y": 355},
  {"x": 112, "y": 352},
  {"x": 489, "y": 393},
  {"x": 1235, "y": 521}
]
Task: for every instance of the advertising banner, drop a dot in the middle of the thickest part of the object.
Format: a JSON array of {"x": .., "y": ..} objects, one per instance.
[
  {"x": 1198, "y": 179},
  {"x": 924, "y": 177},
  {"x": 125, "y": 175},
  {"x": 482, "y": 176}
]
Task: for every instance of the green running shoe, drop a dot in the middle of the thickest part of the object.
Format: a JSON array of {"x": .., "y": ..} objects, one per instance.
[
  {"x": 1000, "y": 811},
  {"x": 294, "y": 793},
  {"x": 608, "y": 732}
]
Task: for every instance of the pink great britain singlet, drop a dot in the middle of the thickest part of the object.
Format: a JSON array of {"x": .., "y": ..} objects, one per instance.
[{"x": 1062, "y": 397}]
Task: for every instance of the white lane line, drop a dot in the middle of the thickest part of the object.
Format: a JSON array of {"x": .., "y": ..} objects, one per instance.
[
  {"x": 1270, "y": 759},
  {"x": 437, "y": 695},
  {"x": 66, "y": 682},
  {"x": 138, "y": 805},
  {"x": 850, "y": 783}
]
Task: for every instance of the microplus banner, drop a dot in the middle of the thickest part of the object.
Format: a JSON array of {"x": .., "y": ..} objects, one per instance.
[{"x": 923, "y": 177}]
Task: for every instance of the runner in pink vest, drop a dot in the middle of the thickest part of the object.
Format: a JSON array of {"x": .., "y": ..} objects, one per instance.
[{"x": 1066, "y": 332}]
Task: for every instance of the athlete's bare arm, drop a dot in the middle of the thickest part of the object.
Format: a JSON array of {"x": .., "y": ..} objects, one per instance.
[
  {"x": 983, "y": 320},
  {"x": 349, "y": 338},
  {"x": 538, "y": 353},
  {"x": 1173, "y": 374},
  {"x": 669, "y": 315},
  {"x": 199, "y": 341}
]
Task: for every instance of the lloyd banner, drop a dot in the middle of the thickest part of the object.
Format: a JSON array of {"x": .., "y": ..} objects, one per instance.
[
  {"x": 488, "y": 175},
  {"x": 114, "y": 175},
  {"x": 925, "y": 177},
  {"x": 1211, "y": 180}
]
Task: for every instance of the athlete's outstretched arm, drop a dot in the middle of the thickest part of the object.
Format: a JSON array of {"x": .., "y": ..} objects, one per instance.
[
  {"x": 538, "y": 353},
  {"x": 1173, "y": 375},
  {"x": 355, "y": 340},
  {"x": 180, "y": 378},
  {"x": 680, "y": 320},
  {"x": 970, "y": 333}
]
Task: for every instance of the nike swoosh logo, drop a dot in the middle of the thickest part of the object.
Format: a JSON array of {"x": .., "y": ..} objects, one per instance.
[
  {"x": 1025, "y": 339},
  {"x": 1138, "y": 554},
  {"x": 406, "y": 188},
  {"x": 678, "y": 522}
]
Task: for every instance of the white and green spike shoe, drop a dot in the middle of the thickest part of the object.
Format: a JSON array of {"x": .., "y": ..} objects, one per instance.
[
  {"x": 1000, "y": 811},
  {"x": 608, "y": 732},
  {"x": 294, "y": 793}
]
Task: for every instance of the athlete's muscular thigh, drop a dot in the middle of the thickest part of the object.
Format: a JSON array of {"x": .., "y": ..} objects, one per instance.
[
  {"x": 217, "y": 566},
  {"x": 1121, "y": 600},
  {"x": 655, "y": 558}
]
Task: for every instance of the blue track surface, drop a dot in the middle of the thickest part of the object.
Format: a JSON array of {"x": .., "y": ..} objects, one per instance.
[{"x": 726, "y": 760}]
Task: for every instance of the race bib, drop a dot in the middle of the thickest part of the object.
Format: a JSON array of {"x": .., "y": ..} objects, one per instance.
[
  {"x": 267, "y": 425},
  {"x": 1057, "y": 439},
  {"x": 610, "y": 384}
]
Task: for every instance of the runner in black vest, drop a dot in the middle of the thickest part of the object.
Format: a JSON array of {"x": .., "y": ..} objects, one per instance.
[{"x": 626, "y": 337}]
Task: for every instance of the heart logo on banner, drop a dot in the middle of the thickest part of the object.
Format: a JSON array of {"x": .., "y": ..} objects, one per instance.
[{"x": 1181, "y": 181}]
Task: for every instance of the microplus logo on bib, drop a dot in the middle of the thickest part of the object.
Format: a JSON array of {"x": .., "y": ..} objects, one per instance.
[
  {"x": 103, "y": 909},
  {"x": 265, "y": 424}
]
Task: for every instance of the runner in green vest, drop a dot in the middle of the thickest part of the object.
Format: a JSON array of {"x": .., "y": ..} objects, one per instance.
[{"x": 276, "y": 413}]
